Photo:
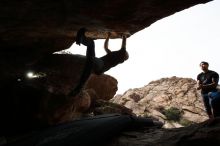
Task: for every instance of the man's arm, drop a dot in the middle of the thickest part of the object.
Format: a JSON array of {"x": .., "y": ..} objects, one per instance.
[
  {"x": 199, "y": 85},
  {"x": 106, "y": 44},
  {"x": 209, "y": 86},
  {"x": 213, "y": 85}
]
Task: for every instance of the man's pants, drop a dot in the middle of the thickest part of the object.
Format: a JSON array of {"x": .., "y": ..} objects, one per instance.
[
  {"x": 206, "y": 102},
  {"x": 214, "y": 98}
]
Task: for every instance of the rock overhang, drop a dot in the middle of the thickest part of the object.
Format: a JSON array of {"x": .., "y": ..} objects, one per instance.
[
  {"x": 32, "y": 29},
  {"x": 48, "y": 26}
]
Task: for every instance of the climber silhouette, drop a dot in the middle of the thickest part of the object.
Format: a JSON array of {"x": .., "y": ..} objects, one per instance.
[
  {"x": 90, "y": 54},
  {"x": 113, "y": 58},
  {"x": 98, "y": 65}
]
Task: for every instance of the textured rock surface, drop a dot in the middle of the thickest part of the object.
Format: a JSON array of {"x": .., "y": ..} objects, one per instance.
[
  {"x": 105, "y": 86},
  {"x": 156, "y": 98},
  {"x": 53, "y": 25},
  {"x": 105, "y": 107},
  {"x": 205, "y": 134}
]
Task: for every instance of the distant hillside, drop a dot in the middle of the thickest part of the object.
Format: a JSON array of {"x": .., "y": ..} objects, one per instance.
[{"x": 174, "y": 101}]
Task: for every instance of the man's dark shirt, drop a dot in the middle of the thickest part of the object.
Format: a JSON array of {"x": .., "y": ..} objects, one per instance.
[{"x": 206, "y": 78}]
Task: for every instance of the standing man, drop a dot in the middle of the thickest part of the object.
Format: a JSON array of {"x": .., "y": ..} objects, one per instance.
[{"x": 207, "y": 82}]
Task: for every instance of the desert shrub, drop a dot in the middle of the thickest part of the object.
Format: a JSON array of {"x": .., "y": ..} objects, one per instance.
[
  {"x": 185, "y": 122},
  {"x": 172, "y": 114}
]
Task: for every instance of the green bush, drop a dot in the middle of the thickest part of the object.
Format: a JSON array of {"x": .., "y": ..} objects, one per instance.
[
  {"x": 185, "y": 122},
  {"x": 172, "y": 114}
]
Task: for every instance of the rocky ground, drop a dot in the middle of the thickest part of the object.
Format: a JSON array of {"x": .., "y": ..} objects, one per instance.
[{"x": 203, "y": 134}]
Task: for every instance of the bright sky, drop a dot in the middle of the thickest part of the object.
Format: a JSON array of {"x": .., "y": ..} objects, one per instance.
[{"x": 173, "y": 46}]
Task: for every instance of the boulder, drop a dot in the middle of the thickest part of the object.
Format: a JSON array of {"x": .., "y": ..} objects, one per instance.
[{"x": 173, "y": 100}]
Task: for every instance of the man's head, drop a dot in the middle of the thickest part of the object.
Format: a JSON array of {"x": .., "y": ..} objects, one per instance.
[{"x": 204, "y": 66}]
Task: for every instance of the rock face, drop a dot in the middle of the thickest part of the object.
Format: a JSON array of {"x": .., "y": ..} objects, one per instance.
[
  {"x": 172, "y": 100},
  {"x": 105, "y": 86}
]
